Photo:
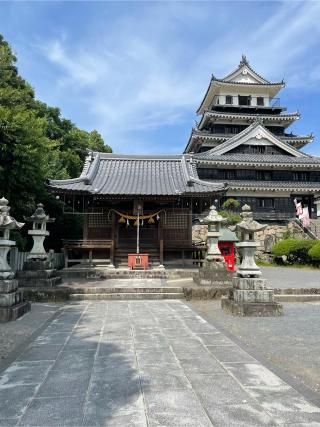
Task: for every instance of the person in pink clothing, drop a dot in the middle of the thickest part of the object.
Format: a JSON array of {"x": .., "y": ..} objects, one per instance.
[
  {"x": 299, "y": 210},
  {"x": 302, "y": 212}
]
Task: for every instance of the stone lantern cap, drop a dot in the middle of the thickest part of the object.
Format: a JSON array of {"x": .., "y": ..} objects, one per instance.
[
  {"x": 39, "y": 215},
  {"x": 213, "y": 217},
  {"x": 248, "y": 224},
  {"x": 6, "y": 221}
]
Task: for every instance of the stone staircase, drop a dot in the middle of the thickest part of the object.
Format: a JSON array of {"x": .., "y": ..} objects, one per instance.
[
  {"x": 313, "y": 232},
  {"x": 125, "y": 293}
]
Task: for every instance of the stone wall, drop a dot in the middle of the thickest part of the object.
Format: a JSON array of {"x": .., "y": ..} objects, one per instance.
[
  {"x": 266, "y": 238},
  {"x": 199, "y": 233}
]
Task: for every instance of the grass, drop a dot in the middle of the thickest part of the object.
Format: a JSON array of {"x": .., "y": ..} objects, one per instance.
[{"x": 300, "y": 266}]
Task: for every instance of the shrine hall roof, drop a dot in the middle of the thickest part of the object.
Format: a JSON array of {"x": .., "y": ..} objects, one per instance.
[{"x": 123, "y": 175}]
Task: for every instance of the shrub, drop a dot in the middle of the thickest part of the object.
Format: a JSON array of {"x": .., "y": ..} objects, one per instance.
[
  {"x": 314, "y": 252},
  {"x": 295, "y": 250},
  {"x": 230, "y": 204},
  {"x": 232, "y": 218}
]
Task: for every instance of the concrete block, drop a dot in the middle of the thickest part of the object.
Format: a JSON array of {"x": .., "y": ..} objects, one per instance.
[
  {"x": 251, "y": 309},
  {"x": 249, "y": 283},
  {"x": 7, "y": 286},
  {"x": 13, "y": 313},
  {"x": 253, "y": 295}
]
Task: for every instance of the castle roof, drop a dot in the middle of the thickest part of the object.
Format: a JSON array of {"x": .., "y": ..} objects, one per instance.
[
  {"x": 255, "y": 132},
  {"x": 243, "y": 76}
]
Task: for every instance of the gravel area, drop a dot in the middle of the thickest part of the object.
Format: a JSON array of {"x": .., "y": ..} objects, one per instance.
[
  {"x": 285, "y": 277},
  {"x": 291, "y": 342}
]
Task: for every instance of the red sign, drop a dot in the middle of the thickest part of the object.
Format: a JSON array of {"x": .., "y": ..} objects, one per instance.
[{"x": 138, "y": 261}]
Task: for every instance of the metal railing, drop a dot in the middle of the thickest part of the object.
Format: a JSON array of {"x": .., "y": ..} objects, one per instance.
[{"x": 246, "y": 101}]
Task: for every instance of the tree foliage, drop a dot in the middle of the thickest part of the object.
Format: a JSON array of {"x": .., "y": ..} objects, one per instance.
[
  {"x": 228, "y": 211},
  {"x": 36, "y": 142}
]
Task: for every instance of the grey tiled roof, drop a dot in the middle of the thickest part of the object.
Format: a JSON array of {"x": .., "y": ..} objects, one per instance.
[
  {"x": 291, "y": 186},
  {"x": 247, "y": 83},
  {"x": 112, "y": 174},
  {"x": 257, "y": 159},
  {"x": 236, "y": 140},
  {"x": 249, "y": 116}
]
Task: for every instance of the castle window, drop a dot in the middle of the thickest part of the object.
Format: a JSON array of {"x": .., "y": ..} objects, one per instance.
[
  {"x": 260, "y": 100},
  {"x": 229, "y": 99},
  {"x": 263, "y": 175},
  {"x": 244, "y": 100},
  {"x": 266, "y": 203},
  {"x": 300, "y": 176}
]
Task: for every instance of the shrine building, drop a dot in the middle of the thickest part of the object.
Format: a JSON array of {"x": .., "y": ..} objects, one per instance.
[{"x": 118, "y": 193}]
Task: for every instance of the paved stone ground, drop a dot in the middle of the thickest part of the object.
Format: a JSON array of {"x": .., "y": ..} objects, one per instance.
[
  {"x": 15, "y": 334},
  {"x": 285, "y": 277},
  {"x": 290, "y": 342},
  {"x": 143, "y": 363}
]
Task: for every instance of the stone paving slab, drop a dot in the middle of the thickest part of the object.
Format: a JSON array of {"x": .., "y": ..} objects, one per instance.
[{"x": 143, "y": 363}]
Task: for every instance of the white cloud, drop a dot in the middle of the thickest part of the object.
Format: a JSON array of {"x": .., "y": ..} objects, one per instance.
[{"x": 140, "y": 73}]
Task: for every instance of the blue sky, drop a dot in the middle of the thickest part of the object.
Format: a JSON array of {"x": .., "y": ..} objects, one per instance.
[{"x": 137, "y": 71}]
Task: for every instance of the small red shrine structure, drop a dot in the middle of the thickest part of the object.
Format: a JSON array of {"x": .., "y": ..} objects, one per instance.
[{"x": 226, "y": 245}]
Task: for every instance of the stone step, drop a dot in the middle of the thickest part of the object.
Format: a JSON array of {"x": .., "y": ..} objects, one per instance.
[
  {"x": 43, "y": 283},
  {"x": 296, "y": 291},
  {"x": 126, "y": 290},
  {"x": 127, "y": 296},
  {"x": 297, "y": 297}
]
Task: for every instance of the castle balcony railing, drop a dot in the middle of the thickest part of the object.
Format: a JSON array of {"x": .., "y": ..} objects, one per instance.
[{"x": 258, "y": 102}]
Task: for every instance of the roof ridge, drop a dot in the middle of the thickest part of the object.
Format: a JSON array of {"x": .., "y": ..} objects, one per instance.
[{"x": 219, "y": 113}]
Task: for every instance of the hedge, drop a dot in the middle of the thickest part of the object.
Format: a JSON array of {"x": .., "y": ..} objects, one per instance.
[
  {"x": 295, "y": 250},
  {"x": 314, "y": 252}
]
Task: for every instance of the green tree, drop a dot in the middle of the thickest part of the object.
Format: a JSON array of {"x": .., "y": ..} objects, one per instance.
[
  {"x": 36, "y": 143},
  {"x": 228, "y": 211}
]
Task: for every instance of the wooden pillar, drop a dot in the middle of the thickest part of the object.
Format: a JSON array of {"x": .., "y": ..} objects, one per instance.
[
  {"x": 161, "y": 240},
  {"x": 113, "y": 237},
  {"x": 85, "y": 227},
  {"x": 190, "y": 222},
  {"x": 161, "y": 251}
]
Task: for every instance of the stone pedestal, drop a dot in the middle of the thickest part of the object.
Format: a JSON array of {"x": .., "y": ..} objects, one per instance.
[
  {"x": 38, "y": 273},
  {"x": 251, "y": 297},
  {"x": 213, "y": 274},
  {"x": 12, "y": 305}
]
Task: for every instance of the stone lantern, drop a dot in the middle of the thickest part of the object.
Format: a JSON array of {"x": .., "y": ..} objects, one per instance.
[
  {"x": 250, "y": 295},
  {"x": 39, "y": 232},
  {"x": 7, "y": 223},
  {"x": 12, "y": 305},
  {"x": 37, "y": 270},
  {"x": 213, "y": 221},
  {"x": 213, "y": 271},
  {"x": 247, "y": 245}
]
